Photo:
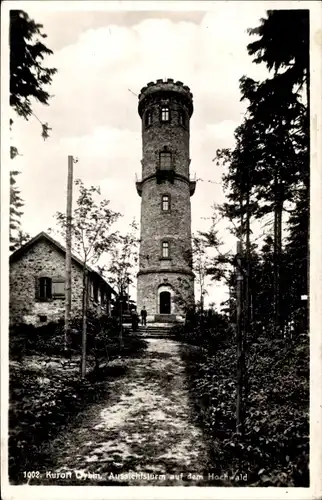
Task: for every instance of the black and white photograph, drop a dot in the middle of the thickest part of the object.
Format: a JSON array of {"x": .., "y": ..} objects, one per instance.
[{"x": 161, "y": 249}]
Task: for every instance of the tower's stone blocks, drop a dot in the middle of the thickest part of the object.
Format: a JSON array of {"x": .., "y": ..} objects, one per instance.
[{"x": 165, "y": 278}]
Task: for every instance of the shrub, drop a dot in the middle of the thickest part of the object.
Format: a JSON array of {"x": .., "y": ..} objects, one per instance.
[
  {"x": 275, "y": 443},
  {"x": 50, "y": 338},
  {"x": 208, "y": 330},
  {"x": 40, "y": 406}
]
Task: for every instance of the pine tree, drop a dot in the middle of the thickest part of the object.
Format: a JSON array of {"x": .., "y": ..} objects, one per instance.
[
  {"x": 278, "y": 104},
  {"x": 270, "y": 161},
  {"x": 296, "y": 268},
  {"x": 285, "y": 49},
  {"x": 242, "y": 206},
  {"x": 28, "y": 81}
]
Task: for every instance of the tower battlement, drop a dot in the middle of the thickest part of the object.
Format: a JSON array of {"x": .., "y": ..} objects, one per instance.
[{"x": 166, "y": 88}]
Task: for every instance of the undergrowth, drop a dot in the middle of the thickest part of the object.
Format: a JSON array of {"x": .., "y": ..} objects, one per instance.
[
  {"x": 43, "y": 401},
  {"x": 274, "y": 448}
]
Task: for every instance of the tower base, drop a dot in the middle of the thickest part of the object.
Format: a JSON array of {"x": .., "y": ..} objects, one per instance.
[
  {"x": 165, "y": 318},
  {"x": 165, "y": 295}
]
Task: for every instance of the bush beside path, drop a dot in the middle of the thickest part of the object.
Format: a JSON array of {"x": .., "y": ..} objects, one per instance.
[
  {"x": 46, "y": 395},
  {"x": 142, "y": 424},
  {"x": 274, "y": 450}
]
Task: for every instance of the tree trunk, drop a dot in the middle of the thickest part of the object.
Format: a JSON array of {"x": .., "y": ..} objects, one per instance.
[
  {"x": 231, "y": 314},
  {"x": 201, "y": 309},
  {"x": 251, "y": 307},
  {"x": 239, "y": 340},
  {"x": 247, "y": 291},
  {"x": 68, "y": 262},
  {"x": 247, "y": 285},
  {"x": 308, "y": 97},
  {"x": 201, "y": 299},
  {"x": 121, "y": 322},
  {"x": 278, "y": 211},
  {"x": 84, "y": 325}
]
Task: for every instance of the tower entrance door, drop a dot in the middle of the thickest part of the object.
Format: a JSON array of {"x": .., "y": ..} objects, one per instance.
[{"x": 165, "y": 303}]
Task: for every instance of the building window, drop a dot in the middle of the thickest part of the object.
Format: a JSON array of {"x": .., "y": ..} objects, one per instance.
[
  {"x": 95, "y": 292},
  {"x": 165, "y": 249},
  {"x": 182, "y": 118},
  {"x": 165, "y": 160},
  {"x": 165, "y": 204},
  {"x": 165, "y": 114},
  {"x": 50, "y": 288},
  {"x": 44, "y": 288},
  {"x": 148, "y": 118}
]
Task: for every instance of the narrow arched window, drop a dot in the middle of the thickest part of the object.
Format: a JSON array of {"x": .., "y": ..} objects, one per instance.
[
  {"x": 165, "y": 114},
  {"x": 165, "y": 249},
  {"x": 182, "y": 118},
  {"x": 165, "y": 203},
  {"x": 148, "y": 118},
  {"x": 165, "y": 160}
]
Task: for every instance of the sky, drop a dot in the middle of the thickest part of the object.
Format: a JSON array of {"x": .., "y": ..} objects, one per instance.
[{"x": 103, "y": 59}]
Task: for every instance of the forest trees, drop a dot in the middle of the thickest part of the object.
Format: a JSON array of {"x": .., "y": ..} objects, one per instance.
[
  {"x": 28, "y": 81},
  {"x": 123, "y": 260},
  {"x": 200, "y": 266},
  {"x": 268, "y": 170}
]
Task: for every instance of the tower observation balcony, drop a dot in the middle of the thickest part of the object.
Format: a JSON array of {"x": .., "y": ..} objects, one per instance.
[{"x": 139, "y": 181}]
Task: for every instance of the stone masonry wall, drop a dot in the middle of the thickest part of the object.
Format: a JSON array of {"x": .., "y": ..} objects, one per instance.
[
  {"x": 171, "y": 134},
  {"x": 173, "y": 226}
]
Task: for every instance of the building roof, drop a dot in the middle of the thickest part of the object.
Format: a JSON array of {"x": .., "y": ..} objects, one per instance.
[{"x": 60, "y": 248}]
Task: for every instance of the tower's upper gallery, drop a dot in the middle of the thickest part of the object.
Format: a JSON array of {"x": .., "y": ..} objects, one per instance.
[{"x": 162, "y": 89}]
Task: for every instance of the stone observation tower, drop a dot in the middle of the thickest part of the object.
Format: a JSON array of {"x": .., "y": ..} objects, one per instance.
[{"x": 165, "y": 281}]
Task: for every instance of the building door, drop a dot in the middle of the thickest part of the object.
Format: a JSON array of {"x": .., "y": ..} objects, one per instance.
[{"x": 165, "y": 303}]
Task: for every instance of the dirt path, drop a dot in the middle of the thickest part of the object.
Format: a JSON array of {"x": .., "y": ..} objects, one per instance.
[{"x": 142, "y": 433}]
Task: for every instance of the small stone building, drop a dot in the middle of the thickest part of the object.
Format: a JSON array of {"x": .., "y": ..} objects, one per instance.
[
  {"x": 165, "y": 281},
  {"x": 37, "y": 284}
]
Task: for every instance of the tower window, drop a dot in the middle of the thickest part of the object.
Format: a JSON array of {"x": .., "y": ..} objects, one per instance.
[
  {"x": 182, "y": 118},
  {"x": 148, "y": 118},
  {"x": 165, "y": 203},
  {"x": 165, "y": 249},
  {"x": 165, "y": 160},
  {"x": 165, "y": 114}
]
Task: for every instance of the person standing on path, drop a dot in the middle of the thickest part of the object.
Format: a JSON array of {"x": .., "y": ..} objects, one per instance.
[{"x": 143, "y": 316}]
